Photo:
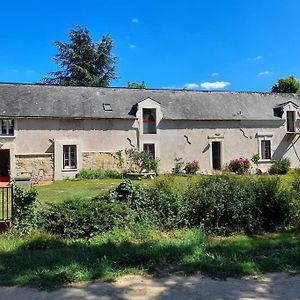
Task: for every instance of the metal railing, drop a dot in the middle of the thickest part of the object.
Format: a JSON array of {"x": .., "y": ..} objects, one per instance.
[{"x": 6, "y": 201}]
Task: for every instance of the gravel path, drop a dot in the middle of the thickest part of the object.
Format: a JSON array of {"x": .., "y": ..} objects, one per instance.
[{"x": 271, "y": 286}]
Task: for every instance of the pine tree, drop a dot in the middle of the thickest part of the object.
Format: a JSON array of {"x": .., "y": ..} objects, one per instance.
[{"x": 83, "y": 62}]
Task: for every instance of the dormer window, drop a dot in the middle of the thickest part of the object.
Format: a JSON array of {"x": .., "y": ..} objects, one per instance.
[
  {"x": 149, "y": 120},
  {"x": 7, "y": 127},
  {"x": 291, "y": 121}
]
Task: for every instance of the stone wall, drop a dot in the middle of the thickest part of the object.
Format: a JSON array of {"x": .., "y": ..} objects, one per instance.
[
  {"x": 40, "y": 167},
  {"x": 97, "y": 160}
]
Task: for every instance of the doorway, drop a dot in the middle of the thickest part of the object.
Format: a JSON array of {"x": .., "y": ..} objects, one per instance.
[
  {"x": 4, "y": 165},
  {"x": 216, "y": 155}
]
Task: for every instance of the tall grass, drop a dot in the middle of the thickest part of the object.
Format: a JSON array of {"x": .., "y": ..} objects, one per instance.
[{"x": 46, "y": 260}]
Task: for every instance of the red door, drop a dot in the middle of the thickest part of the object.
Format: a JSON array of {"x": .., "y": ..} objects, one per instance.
[{"x": 4, "y": 165}]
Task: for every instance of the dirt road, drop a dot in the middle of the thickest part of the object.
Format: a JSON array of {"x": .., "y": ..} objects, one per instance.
[{"x": 271, "y": 286}]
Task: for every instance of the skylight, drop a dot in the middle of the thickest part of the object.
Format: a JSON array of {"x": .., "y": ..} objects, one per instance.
[{"x": 107, "y": 107}]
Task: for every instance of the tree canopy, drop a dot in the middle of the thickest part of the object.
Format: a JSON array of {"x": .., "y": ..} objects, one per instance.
[
  {"x": 83, "y": 62},
  {"x": 288, "y": 84},
  {"x": 135, "y": 85}
]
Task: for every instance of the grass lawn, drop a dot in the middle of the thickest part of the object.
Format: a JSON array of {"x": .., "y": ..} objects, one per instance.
[
  {"x": 65, "y": 189},
  {"x": 48, "y": 261}
]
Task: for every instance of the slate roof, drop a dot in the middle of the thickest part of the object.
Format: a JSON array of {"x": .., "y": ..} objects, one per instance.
[{"x": 21, "y": 100}]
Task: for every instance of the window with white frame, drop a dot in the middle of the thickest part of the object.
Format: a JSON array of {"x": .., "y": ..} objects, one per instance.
[
  {"x": 7, "y": 127},
  {"x": 265, "y": 149},
  {"x": 265, "y": 146},
  {"x": 149, "y": 120},
  {"x": 69, "y": 157}
]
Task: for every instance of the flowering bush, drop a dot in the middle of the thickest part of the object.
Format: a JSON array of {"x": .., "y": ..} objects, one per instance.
[
  {"x": 192, "y": 167},
  {"x": 239, "y": 165}
]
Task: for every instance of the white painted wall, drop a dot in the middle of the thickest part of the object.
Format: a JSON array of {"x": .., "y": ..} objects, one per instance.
[{"x": 239, "y": 139}]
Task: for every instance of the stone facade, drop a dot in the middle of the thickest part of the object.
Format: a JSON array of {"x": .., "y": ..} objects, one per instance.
[
  {"x": 97, "y": 160},
  {"x": 40, "y": 167}
]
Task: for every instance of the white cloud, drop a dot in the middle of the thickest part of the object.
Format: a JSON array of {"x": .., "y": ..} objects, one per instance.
[
  {"x": 256, "y": 58},
  {"x": 132, "y": 46},
  {"x": 170, "y": 88},
  {"x": 214, "y": 85},
  {"x": 135, "y": 20},
  {"x": 215, "y": 74},
  {"x": 191, "y": 86},
  {"x": 263, "y": 73}
]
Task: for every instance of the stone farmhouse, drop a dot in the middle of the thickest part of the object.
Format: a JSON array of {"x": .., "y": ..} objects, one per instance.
[{"x": 52, "y": 132}]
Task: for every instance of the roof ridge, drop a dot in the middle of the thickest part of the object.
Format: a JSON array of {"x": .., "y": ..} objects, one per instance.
[{"x": 148, "y": 89}]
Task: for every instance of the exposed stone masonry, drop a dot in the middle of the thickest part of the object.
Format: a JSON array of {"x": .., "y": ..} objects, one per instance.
[
  {"x": 97, "y": 160},
  {"x": 40, "y": 167}
]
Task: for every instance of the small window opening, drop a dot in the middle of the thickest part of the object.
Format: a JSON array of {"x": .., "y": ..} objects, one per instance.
[
  {"x": 107, "y": 107},
  {"x": 150, "y": 149},
  {"x": 7, "y": 127},
  {"x": 149, "y": 121},
  {"x": 291, "y": 120}
]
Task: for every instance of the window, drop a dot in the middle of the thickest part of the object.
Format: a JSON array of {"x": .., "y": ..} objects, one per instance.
[
  {"x": 265, "y": 149},
  {"x": 150, "y": 148},
  {"x": 149, "y": 121},
  {"x": 69, "y": 157},
  {"x": 7, "y": 127},
  {"x": 290, "y": 121}
]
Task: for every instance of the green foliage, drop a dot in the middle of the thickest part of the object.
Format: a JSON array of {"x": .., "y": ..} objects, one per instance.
[
  {"x": 192, "y": 167},
  {"x": 83, "y": 62},
  {"x": 161, "y": 204},
  {"x": 255, "y": 158},
  {"x": 134, "y": 250},
  {"x": 225, "y": 205},
  {"x": 166, "y": 204},
  {"x": 178, "y": 167},
  {"x": 142, "y": 161},
  {"x": 288, "y": 84},
  {"x": 272, "y": 207},
  {"x": 24, "y": 209},
  {"x": 134, "y": 85},
  {"x": 120, "y": 159},
  {"x": 82, "y": 218},
  {"x": 132, "y": 194},
  {"x": 221, "y": 205},
  {"x": 280, "y": 167},
  {"x": 98, "y": 174}
]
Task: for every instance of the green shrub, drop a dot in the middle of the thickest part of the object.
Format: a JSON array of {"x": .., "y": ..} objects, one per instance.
[
  {"x": 166, "y": 204},
  {"x": 24, "y": 209},
  {"x": 239, "y": 165},
  {"x": 280, "y": 167},
  {"x": 192, "y": 167},
  {"x": 178, "y": 167},
  {"x": 98, "y": 174},
  {"x": 141, "y": 161},
  {"x": 82, "y": 218},
  {"x": 221, "y": 205},
  {"x": 272, "y": 208}
]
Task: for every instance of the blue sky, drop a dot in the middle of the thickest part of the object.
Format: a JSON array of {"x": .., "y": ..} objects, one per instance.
[{"x": 233, "y": 45}]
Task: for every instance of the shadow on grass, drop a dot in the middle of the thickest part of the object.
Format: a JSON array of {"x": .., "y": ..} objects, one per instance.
[{"x": 49, "y": 262}]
